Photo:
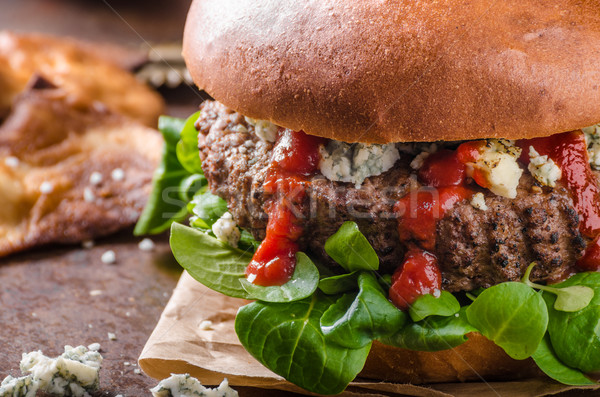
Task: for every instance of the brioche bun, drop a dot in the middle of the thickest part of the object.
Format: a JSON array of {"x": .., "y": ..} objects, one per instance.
[
  {"x": 476, "y": 359},
  {"x": 393, "y": 71}
]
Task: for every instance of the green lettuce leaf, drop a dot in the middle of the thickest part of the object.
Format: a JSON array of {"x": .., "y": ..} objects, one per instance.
[{"x": 287, "y": 339}]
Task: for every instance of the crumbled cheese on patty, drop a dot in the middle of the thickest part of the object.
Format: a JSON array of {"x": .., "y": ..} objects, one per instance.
[
  {"x": 344, "y": 162},
  {"x": 264, "y": 129},
  {"x": 478, "y": 201},
  {"x": 187, "y": 386},
  {"x": 543, "y": 169},
  {"x": 592, "y": 138},
  {"x": 226, "y": 230},
  {"x": 498, "y": 164}
]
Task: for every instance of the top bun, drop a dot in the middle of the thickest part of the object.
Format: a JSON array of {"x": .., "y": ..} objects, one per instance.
[{"x": 392, "y": 71}]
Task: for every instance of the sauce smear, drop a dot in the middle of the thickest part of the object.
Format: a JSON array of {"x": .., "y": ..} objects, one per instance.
[
  {"x": 569, "y": 151},
  {"x": 444, "y": 174},
  {"x": 295, "y": 158}
]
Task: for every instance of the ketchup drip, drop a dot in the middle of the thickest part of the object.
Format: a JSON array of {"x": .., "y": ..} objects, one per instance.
[
  {"x": 444, "y": 174},
  {"x": 295, "y": 159},
  {"x": 569, "y": 151}
]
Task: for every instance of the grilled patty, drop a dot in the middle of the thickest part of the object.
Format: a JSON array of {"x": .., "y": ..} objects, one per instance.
[{"x": 475, "y": 248}]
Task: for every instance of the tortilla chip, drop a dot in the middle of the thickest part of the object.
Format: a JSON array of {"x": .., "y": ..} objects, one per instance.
[
  {"x": 57, "y": 133},
  {"x": 72, "y": 66}
]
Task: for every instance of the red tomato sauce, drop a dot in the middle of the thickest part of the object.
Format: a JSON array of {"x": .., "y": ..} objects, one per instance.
[
  {"x": 569, "y": 151},
  {"x": 295, "y": 158},
  {"x": 418, "y": 212},
  {"x": 418, "y": 275}
]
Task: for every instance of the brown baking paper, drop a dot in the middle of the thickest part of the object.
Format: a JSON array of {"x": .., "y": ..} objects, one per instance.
[{"x": 179, "y": 344}]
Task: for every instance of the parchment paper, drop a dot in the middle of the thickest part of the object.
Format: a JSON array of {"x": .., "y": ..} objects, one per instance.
[{"x": 179, "y": 345}]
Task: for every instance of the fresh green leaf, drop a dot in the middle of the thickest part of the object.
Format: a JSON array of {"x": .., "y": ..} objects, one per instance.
[
  {"x": 287, "y": 339},
  {"x": 428, "y": 305},
  {"x": 351, "y": 249},
  {"x": 303, "y": 283},
  {"x": 356, "y": 319},
  {"x": 568, "y": 299},
  {"x": 512, "y": 315},
  {"x": 207, "y": 207},
  {"x": 572, "y": 299},
  {"x": 187, "y": 147},
  {"x": 432, "y": 334},
  {"x": 211, "y": 262},
  {"x": 339, "y": 284},
  {"x": 547, "y": 360},
  {"x": 575, "y": 336},
  {"x": 164, "y": 205},
  {"x": 171, "y": 127},
  {"x": 247, "y": 241},
  {"x": 190, "y": 185}
]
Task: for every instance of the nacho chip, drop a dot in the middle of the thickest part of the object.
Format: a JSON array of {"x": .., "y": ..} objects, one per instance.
[{"x": 75, "y": 68}]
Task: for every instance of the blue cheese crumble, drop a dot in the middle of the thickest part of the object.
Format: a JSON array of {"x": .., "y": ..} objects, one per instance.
[
  {"x": 344, "y": 162},
  {"x": 592, "y": 138},
  {"x": 226, "y": 230},
  {"x": 264, "y": 129},
  {"x": 498, "y": 164},
  {"x": 73, "y": 373},
  {"x": 178, "y": 385},
  {"x": 24, "y": 386},
  {"x": 543, "y": 169}
]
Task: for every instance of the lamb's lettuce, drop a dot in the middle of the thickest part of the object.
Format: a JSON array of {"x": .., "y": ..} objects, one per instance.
[{"x": 320, "y": 339}]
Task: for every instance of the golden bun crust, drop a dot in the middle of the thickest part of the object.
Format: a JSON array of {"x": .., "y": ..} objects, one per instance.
[
  {"x": 376, "y": 71},
  {"x": 476, "y": 359}
]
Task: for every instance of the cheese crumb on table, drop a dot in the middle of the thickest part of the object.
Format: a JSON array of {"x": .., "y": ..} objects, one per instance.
[
  {"x": 111, "y": 336},
  {"x": 73, "y": 373},
  {"x": 146, "y": 245},
  {"x": 206, "y": 325},
  {"x": 109, "y": 257},
  {"x": 178, "y": 385}
]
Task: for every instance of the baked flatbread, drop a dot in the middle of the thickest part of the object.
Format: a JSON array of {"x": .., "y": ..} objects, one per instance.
[{"x": 76, "y": 160}]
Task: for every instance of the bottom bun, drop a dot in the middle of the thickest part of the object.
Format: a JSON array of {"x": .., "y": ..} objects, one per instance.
[{"x": 477, "y": 359}]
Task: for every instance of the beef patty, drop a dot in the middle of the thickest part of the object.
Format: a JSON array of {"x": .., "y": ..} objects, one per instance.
[{"x": 475, "y": 248}]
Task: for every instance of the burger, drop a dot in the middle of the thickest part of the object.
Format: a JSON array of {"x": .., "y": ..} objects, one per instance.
[{"x": 407, "y": 189}]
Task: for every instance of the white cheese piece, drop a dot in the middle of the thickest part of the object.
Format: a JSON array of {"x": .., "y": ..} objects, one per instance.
[
  {"x": 478, "y": 201},
  {"x": 94, "y": 346},
  {"x": 264, "y": 129},
  {"x": 187, "y": 386},
  {"x": 592, "y": 138},
  {"x": 46, "y": 187},
  {"x": 87, "y": 244},
  {"x": 88, "y": 194},
  {"x": 112, "y": 336},
  {"x": 344, "y": 162},
  {"x": 117, "y": 174},
  {"x": 206, "y": 325},
  {"x": 498, "y": 164},
  {"x": 73, "y": 373},
  {"x": 108, "y": 257},
  {"x": 24, "y": 386},
  {"x": 146, "y": 245},
  {"x": 12, "y": 161},
  {"x": 95, "y": 178},
  {"x": 96, "y": 292},
  {"x": 226, "y": 230},
  {"x": 418, "y": 161},
  {"x": 543, "y": 169}
]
